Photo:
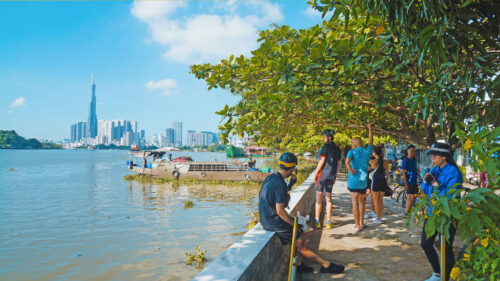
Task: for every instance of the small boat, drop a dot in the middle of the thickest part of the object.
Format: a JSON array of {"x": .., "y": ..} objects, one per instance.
[
  {"x": 134, "y": 147},
  {"x": 233, "y": 151},
  {"x": 186, "y": 168}
]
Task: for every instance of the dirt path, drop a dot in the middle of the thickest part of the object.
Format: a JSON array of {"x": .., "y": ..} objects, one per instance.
[{"x": 389, "y": 251}]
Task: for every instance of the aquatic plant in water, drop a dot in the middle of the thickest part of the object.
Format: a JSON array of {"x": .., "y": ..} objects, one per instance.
[
  {"x": 198, "y": 256},
  {"x": 188, "y": 204}
]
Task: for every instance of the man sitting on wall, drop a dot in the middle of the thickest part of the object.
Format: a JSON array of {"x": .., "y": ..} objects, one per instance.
[{"x": 273, "y": 199}]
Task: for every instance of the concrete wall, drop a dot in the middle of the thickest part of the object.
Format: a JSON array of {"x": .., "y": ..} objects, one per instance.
[{"x": 259, "y": 254}]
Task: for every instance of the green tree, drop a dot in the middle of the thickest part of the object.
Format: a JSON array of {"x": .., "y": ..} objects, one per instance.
[{"x": 371, "y": 61}]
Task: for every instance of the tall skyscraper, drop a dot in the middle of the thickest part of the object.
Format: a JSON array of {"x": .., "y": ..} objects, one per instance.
[
  {"x": 177, "y": 126},
  {"x": 92, "y": 121},
  {"x": 170, "y": 136}
]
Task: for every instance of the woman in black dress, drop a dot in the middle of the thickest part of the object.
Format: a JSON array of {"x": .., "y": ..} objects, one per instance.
[{"x": 378, "y": 183}]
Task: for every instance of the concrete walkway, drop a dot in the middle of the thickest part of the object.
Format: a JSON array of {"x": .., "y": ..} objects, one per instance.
[{"x": 389, "y": 251}]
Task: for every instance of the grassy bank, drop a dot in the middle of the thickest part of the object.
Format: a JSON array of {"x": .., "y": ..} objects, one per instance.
[{"x": 147, "y": 178}]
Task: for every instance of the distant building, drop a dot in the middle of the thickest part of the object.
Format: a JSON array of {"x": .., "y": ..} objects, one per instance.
[
  {"x": 118, "y": 132},
  {"x": 92, "y": 121},
  {"x": 200, "y": 138},
  {"x": 169, "y": 137},
  {"x": 73, "y": 133},
  {"x": 177, "y": 126}
]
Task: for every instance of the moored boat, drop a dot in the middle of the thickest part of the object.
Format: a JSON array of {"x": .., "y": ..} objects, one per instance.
[
  {"x": 233, "y": 151},
  {"x": 200, "y": 170}
]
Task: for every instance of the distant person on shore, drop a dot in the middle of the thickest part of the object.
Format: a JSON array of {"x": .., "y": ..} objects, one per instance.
[
  {"x": 443, "y": 178},
  {"x": 357, "y": 164},
  {"x": 251, "y": 162},
  {"x": 377, "y": 181},
  {"x": 325, "y": 176},
  {"x": 410, "y": 174},
  {"x": 273, "y": 199}
]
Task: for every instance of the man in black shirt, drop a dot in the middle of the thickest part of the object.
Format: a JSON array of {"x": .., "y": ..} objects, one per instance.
[
  {"x": 273, "y": 199},
  {"x": 325, "y": 175}
]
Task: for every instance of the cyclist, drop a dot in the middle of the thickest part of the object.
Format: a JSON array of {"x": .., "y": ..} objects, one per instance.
[
  {"x": 444, "y": 177},
  {"x": 325, "y": 175}
]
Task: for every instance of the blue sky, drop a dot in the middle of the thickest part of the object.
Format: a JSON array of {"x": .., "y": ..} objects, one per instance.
[{"x": 139, "y": 53}]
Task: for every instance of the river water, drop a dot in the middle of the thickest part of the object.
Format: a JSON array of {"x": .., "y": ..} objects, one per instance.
[{"x": 69, "y": 215}]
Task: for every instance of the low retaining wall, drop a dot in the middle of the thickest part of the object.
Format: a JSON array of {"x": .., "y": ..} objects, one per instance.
[{"x": 259, "y": 255}]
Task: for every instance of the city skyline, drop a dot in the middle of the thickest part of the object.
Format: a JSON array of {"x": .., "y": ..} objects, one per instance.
[{"x": 142, "y": 67}]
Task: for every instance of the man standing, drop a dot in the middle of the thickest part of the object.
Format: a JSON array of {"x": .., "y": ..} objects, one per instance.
[
  {"x": 409, "y": 168},
  {"x": 357, "y": 164},
  {"x": 325, "y": 175},
  {"x": 273, "y": 199}
]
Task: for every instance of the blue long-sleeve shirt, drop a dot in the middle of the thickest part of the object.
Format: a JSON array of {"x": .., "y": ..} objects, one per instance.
[{"x": 447, "y": 178}]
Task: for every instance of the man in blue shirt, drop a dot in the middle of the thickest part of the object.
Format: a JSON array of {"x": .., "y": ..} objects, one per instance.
[
  {"x": 410, "y": 173},
  {"x": 357, "y": 164},
  {"x": 273, "y": 199}
]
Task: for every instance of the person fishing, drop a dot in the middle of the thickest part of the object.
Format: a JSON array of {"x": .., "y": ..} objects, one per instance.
[{"x": 443, "y": 178}]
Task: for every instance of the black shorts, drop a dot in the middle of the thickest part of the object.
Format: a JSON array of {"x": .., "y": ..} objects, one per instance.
[
  {"x": 413, "y": 189},
  {"x": 360, "y": 191},
  {"x": 286, "y": 235},
  {"x": 325, "y": 186},
  {"x": 378, "y": 184}
]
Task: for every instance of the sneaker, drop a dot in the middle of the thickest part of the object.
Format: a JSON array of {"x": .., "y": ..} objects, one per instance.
[
  {"x": 370, "y": 215},
  {"x": 329, "y": 224},
  {"x": 317, "y": 224},
  {"x": 377, "y": 221},
  {"x": 333, "y": 268},
  {"x": 304, "y": 269},
  {"x": 434, "y": 277}
]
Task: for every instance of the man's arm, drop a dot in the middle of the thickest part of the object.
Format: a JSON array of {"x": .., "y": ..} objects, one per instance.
[
  {"x": 280, "y": 209},
  {"x": 321, "y": 162},
  {"x": 370, "y": 134},
  {"x": 405, "y": 178},
  {"x": 349, "y": 167}
]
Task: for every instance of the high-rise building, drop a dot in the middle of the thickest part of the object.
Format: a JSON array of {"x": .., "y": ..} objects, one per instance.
[
  {"x": 92, "y": 121},
  {"x": 73, "y": 133},
  {"x": 200, "y": 138},
  {"x": 170, "y": 137},
  {"x": 177, "y": 126},
  {"x": 81, "y": 128}
]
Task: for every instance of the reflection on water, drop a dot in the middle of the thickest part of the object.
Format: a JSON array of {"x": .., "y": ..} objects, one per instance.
[{"x": 68, "y": 215}]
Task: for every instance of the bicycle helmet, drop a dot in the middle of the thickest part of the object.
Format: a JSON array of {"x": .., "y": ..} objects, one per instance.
[
  {"x": 328, "y": 132},
  {"x": 287, "y": 160}
]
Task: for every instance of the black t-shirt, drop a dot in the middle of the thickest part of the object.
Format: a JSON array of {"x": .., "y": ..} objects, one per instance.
[
  {"x": 274, "y": 190},
  {"x": 332, "y": 153}
]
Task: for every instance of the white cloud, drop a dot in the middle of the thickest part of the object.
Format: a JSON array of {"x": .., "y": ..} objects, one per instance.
[
  {"x": 166, "y": 85},
  {"x": 17, "y": 102},
  {"x": 220, "y": 31},
  {"x": 10, "y": 111}
]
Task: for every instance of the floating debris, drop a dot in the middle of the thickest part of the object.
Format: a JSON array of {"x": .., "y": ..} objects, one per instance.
[{"x": 11, "y": 170}]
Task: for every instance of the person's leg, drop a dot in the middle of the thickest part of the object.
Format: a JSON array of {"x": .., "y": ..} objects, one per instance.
[
  {"x": 427, "y": 245},
  {"x": 319, "y": 203},
  {"x": 378, "y": 198},
  {"x": 361, "y": 208},
  {"x": 328, "y": 198},
  {"x": 409, "y": 202},
  {"x": 355, "y": 209},
  {"x": 449, "y": 256},
  {"x": 309, "y": 254}
]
